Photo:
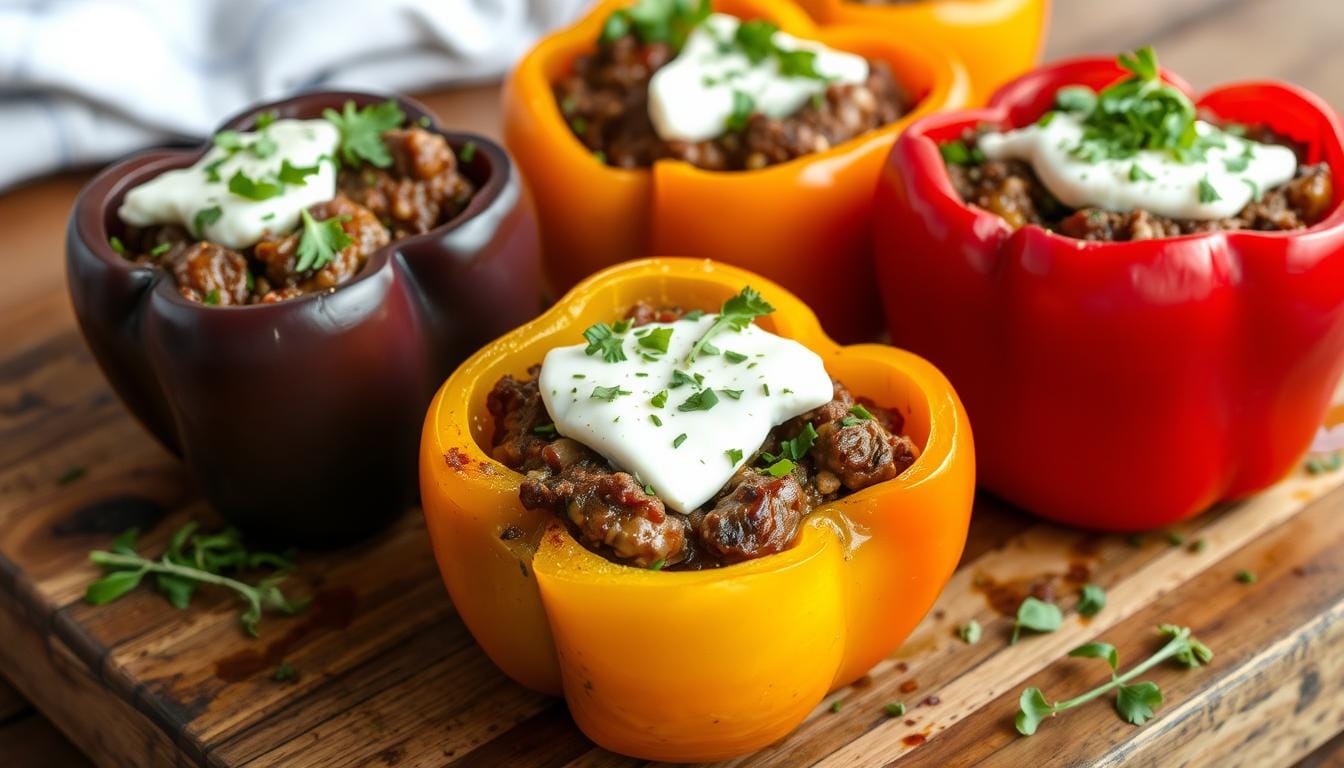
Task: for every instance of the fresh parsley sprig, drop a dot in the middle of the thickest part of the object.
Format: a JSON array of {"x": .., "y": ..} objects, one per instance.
[
  {"x": 320, "y": 241},
  {"x": 191, "y": 560},
  {"x": 362, "y": 131},
  {"x": 1135, "y": 702},
  {"x": 736, "y": 314},
  {"x": 606, "y": 341}
]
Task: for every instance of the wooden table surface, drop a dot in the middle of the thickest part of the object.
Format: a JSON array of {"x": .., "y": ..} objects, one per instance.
[{"x": 1207, "y": 41}]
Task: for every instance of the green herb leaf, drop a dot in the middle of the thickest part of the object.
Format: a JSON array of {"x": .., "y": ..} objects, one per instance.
[
  {"x": 657, "y": 565},
  {"x": 656, "y": 339},
  {"x": 243, "y": 186},
  {"x": 1236, "y": 164},
  {"x": 863, "y": 413},
  {"x": 734, "y": 357},
  {"x": 297, "y": 175},
  {"x": 895, "y": 709},
  {"x": 657, "y": 422},
  {"x": 263, "y": 147},
  {"x": 265, "y": 119},
  {"x": 1076, "y": 98},
  {"x": 1037, "y": 616},
  {"x": 229, "y": 141},
  {"x": 734, "y": 455},
  {"x": 1033, "y": 708},
  {"x": 604, "y": 340},
  {"x": 703, "y": 400},
  {"x": 1207, "y": 194},
  {"x": 1098, "y": 651},
  {"x": 1136, "y": 173},
  {"x": 732, "y": 394},
  {"x": 1246, "y": 577},
  {"x": 1136, "y": 702},
  {"x": 780, "y": 468},
  {"x": 676, "y": 442},
  {"x": 284, "y": 671},
  {"x": 798, "y": 446},
  {"x": 656, "y": 21},
  {"x": 755, "y": 38},
  {"x": 681, "y": 378},
  {"x": 362, "y": 131},
  {"x": 545, "y": 430},
  {"x": 955, "y": 152},
  {"x": 211, "y": 297},
  {"x": 609, "y": 394},
  {"x": 320, "y": 241},
  {"x": 204, "y": 218},
  {"x": 117, "y": 245},
  {"x": 112, "y": 586},
  {"x": 659, "y": 400},
  {"x": 744, "y": 105},
  {"x": 835, "y": 706},
  {"x": 736, "y": 314},
  {"x": 160, "y": 249},
  {"x": 970, "y": 632},
  {"x": 1092, "y": 600},
  {"x": 468, "y": 152}
]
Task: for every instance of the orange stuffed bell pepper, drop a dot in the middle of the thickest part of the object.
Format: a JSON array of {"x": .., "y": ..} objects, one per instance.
[
  {"x": 786, "y": 628},
  {"x": 803, "y": 222},
  {"x": 996, "y": 40}
]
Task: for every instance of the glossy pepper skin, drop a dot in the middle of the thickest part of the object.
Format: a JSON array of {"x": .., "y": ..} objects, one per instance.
[
  {"x": 996, "y": 40},
  {"x": 803, "y": 223},
  {"x": 298, "y": 419},
  {"x": 779, "y": 631},
  {"x": 1119, "y": 386}
]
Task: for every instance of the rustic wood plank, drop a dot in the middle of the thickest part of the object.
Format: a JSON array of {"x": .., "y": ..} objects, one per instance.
[
  {"x": 12, "y": 705},
  {"x": 32, "y": 742}
]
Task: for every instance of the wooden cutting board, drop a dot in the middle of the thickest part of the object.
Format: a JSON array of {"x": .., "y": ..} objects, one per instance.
[{"x": 387, "y": 674}]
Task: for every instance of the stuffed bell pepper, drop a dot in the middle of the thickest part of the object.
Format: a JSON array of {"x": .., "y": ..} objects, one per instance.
[
  {"x": 735, "y": 130},
  {"x": 1139, "y": 293},
  {"x": 996, "y": 39},
  {"x": 676, "y": 457}
]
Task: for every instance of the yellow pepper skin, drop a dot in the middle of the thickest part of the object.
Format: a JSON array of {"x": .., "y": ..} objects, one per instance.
[
  {"x": 803, "y": 223},
  {"x": 996, "y": 40},
  {"x": 778, "y": 632}
]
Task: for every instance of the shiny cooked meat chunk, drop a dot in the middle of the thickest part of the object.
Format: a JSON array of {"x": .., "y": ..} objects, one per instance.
[
  {"x": 420, "y": 190},
  {"x": 857, "y": 444},
  {"x": 605, "y": 99},
  {"x": 1011, "y": 190}
]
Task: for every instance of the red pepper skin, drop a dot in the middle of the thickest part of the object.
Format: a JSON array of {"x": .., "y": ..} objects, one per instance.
[{"x": 1118, "y": 386}]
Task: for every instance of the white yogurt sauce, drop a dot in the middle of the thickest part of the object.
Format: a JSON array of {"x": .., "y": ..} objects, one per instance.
[
  {"x": 691, "y": 97},
  {"x": 176, "y": 197},
  {"x": 1237, "y": 172},
  {"x": 684, "y": 472}
]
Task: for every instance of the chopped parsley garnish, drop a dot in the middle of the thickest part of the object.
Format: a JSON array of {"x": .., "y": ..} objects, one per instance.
[
  {"x": 734, "y": 357},
  {"x": 1246, "y": 577},
  {"x": 211, "y": 298},
  {"x": 212, "y": 170},
  {"x": 694, "y": 314},
  {"x": 608, "y": 393},
  {"x": 229, "y": 141},
  {"x": 755, "y": 38},
  {"x": 861, "y": 412},
  {"x": 1207, "y": 194},
  {"x": 1256, "y": 195},
  {"x": 801, "y": 443},
  {"x": 253, "y": 189},
  {"x": 679, "y": 440},
  {"x": 204, "y": 218},
  {"x": 606, "y": 341},
  {"x": 1136, "y": 173},
  {"x": 970, "y": 632},
  {"x": 657, "y": 422},
  {"x": 362, "y": 131},
  {"x": 296, "y": 174},
  {"x": 765, "y": 389},
  {"x": 736, "y": 313},
  {"x": 263, "y": 147},
  {"x": 160, "y": 249},
  {"x": 734, "y": 455},
  {"x": 780, "y": 468},
  {"x": 1091, "y": 601},
  {"x": 957, "y": 153},
  {"x": 732, "y": 394},
  {"x": 659, "y": 400},
  {"x": 1047, "y": 118},
  {"x": 545, "y": 430},
  {"x": 895, "y": 709},
  {"x": 680, "y": 378},
  {"x": 320, "y": 241},
  {"x": 265, "y": 119},
  {"x": 656, "y": 21},
  {"x": 1076, "y": 98},
  {"x": 657, "y": 565},
  {"x": 656, "y": 339},
  {"x": 1236, "y": 164},
  {"x": 117, "y": 245},
  {"x": 700, "y": 401},
  {"x": 468, "y": 152},
  {"x": 743, "y": 107}
]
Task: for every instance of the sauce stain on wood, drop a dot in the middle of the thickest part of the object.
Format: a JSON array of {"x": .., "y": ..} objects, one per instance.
[
  {"x": 331, "y": 609},
  {"x": 1006, "y": 596},
  {"x": 111, "y": 516}
]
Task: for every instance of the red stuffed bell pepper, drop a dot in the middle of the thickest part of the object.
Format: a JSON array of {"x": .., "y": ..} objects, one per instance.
[{"x": 1119, "y": 385}]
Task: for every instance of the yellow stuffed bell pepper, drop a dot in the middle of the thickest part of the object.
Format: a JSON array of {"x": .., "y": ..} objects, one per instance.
[
  {"x": 803, "y": 223},
  {"x": 779, "y": 631},
  {"x": 996, "y": 40}
]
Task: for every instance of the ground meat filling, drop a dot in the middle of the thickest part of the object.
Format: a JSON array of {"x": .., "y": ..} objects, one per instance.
[
  {"x": 420, "y": 190},
  {"x": 1011, "y": 190},
  {"x": 755, "y": 514},
  {"x": 605, "y": 99}
]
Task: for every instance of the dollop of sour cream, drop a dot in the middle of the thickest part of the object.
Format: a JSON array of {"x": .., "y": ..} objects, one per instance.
[
  {"x": 180, "y": 196},
  {"x": 692, "y": 97},
  {"x": 657, "y": 429},
  {"x": 1225, "y": 181}
]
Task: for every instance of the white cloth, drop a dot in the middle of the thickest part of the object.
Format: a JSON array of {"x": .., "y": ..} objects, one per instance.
[{"x": 84, "y": 81}]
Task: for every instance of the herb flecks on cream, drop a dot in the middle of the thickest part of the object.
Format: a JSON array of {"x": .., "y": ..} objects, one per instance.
[
  {"x": 681, "y": 424},
  {"x": 249, "y": 185},
  {"x": 728, "y": 69},
  {"x": 1138, "y": 145}
]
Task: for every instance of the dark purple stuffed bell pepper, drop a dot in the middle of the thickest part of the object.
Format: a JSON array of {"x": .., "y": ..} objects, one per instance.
[{"x": 300, "y": 419}]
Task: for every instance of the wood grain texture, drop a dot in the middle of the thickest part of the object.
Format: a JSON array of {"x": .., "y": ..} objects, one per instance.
[{"x": 387, "y": 675}]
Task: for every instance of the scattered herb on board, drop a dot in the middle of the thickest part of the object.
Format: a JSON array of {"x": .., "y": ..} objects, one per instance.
[
  {"x": 970, "y": 632},
  {"x": 1135, "y": 702},
  {"x": 284, "y": 672},
  {"x": 1091, "y": 601},
  {"x": 1175, "y": 539},
  {"x": 895, "y": 709},
  {"x": 1319, "y": 465},
  {"x": 320, "y": 241},
  {"x": 835, "y": 706},
  {"x": 1246, "y": 577},
  {"x": 1037, "y": 616},
  {"x": 362, "y": 131},
  {"x": 191, "y": 560}
]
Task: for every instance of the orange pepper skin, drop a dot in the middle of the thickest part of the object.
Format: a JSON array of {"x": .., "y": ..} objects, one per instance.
[
  {"x": 804, "y": 223},
  {"x": 996, "y": 40},
  {"x": 785, "y": 628}
]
